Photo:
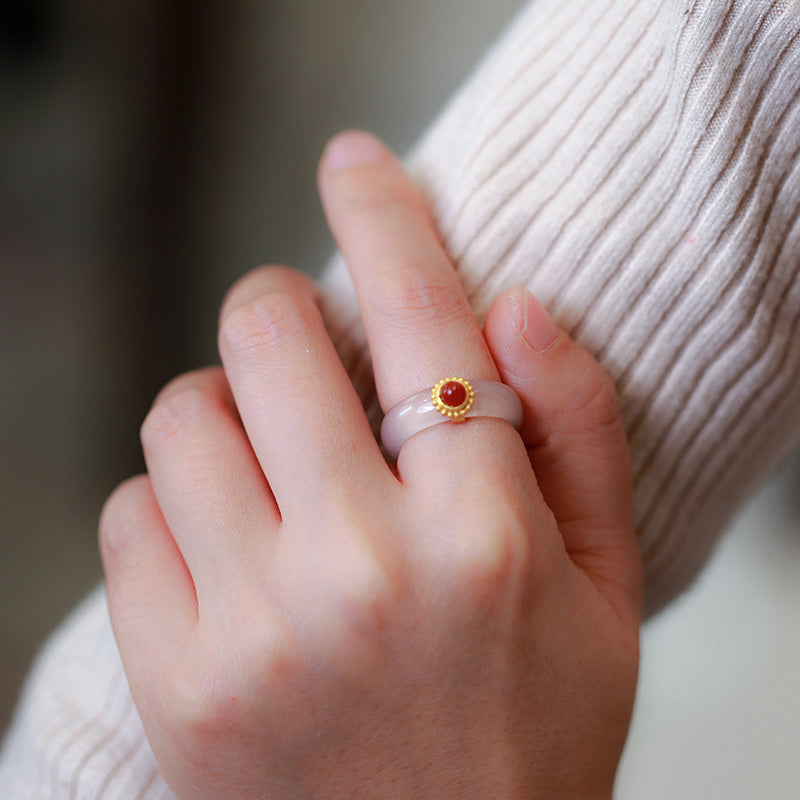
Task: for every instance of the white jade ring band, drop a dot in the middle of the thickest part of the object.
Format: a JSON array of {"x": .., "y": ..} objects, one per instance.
[{"x": 451, "y": 400}]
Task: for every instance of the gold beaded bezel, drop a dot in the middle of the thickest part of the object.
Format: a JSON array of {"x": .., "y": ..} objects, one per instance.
[{"x": 457, "y": 413}]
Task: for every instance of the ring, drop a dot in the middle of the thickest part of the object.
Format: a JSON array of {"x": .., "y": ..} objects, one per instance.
[{"x": 450, "y": 400}]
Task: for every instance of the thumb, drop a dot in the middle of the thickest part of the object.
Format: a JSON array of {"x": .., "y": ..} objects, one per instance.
[{"x": 575, "y": 439}]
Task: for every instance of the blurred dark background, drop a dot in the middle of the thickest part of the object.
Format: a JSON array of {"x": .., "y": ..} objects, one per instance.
[{"x": 150, "y": 153}]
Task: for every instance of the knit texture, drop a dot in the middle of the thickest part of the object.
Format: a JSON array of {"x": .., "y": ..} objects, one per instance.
[
  {"x": 635, "y": 163},
  {"x": 76, "y": 734}
]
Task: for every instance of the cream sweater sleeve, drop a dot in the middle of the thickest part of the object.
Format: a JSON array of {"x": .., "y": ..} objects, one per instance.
[
  {"x": 76, "y": 734},
  {"x": 635, "y": 163}
]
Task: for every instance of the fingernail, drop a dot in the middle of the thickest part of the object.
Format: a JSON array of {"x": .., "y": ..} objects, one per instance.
[
  {"x": 538, "y": 329},
  {"x": 352, "y": 149}
]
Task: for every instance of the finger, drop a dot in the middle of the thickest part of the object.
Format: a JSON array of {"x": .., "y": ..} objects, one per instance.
[
  {"x": 575, "y": 437},
  {"x": 416, "y": 315},
  {"x": 207, "y": 480},
  {"x": 151, "y": 596},
  {"x": 301, "y": 413}
]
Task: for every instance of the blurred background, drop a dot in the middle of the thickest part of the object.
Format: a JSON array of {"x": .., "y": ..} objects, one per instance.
[{"x": 152, "y": 152}]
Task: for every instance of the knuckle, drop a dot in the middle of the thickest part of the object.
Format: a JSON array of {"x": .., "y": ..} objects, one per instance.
[
  {"x": 376, "y": 198},
  {"x": 363, "y": 590},
  {"x": 492, "y": 557},
  {"x": 414, "y": 303},
  {"x": 263, "y": 638},
  {"x": 263, "y": 325},
  {"x": 201, "y": 706},
  {"x": 365, "y": 597},
  {"x": 257, "y": 280},
  {"x": 597, "y": 407},
  {"x": 208, "y": 701},
  {"x": 183, "y": 400},
  {"x": 117, "y": 517}
]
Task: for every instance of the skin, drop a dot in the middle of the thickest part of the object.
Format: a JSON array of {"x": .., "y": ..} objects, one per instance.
[{"x": 298, "y": 619}]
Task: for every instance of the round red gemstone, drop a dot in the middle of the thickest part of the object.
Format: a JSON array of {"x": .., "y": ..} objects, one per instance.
[{"x": 453, "y": 394}]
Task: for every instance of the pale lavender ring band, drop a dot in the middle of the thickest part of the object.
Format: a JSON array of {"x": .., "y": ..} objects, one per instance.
[{"x": 418, "y": 413}]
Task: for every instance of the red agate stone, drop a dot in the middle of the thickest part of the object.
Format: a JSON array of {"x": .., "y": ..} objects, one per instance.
[{"x": 453, "y": 394}]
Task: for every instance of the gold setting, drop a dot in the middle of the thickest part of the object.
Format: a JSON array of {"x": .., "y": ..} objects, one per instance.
[{"x": 457, "y": 413}]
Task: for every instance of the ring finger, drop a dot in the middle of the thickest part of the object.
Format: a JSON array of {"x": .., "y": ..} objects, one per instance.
[{"x": 417, "y": 317}]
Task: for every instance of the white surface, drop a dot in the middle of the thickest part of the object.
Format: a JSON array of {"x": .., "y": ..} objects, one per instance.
[{"x": 718, "y": 709}]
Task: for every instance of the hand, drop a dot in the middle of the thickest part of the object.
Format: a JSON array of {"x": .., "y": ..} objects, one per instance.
[{"x": 298, "y": 620}]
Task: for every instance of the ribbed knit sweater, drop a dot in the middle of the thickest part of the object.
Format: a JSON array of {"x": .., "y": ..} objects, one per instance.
[{"x": 635, "y": 163}]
